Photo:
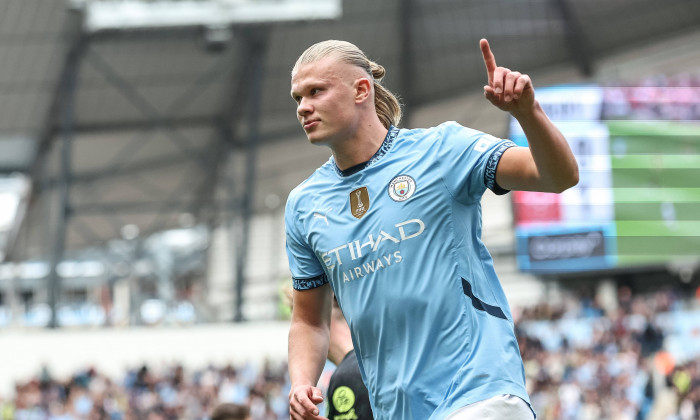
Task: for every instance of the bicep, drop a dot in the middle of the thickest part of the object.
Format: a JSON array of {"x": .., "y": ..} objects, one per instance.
[
  {"x": 516, "y": 170},
  {"x": 312, "y": 307}
]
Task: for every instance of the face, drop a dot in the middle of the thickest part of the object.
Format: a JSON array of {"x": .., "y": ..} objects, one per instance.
[{"x": 325, "y": 92}]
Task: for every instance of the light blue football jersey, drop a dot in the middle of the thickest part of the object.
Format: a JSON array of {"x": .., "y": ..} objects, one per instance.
[{"x": 400, "y": 243}]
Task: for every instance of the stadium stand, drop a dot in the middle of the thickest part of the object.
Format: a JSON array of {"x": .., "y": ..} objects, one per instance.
[{"x": 582, "y": 362}]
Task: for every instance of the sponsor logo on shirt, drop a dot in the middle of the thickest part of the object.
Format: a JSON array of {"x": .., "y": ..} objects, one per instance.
[
  {"x": 354, "y": 250},
  {"x": 343, "y": 399},
  {"x": 359, "y": 202},
  {"x": 401, "y": 188}
]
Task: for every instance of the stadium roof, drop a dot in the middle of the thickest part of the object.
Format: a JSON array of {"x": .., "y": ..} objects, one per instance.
[{"x": 141, "y": 126}]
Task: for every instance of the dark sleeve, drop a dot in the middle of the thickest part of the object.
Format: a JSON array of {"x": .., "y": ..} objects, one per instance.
[
  {"x": 347, "y": 394},
  {"x": 492, "y": 164}
]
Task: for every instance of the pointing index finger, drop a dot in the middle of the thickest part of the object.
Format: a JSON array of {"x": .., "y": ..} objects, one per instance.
[{"x": 489, "y": 59}]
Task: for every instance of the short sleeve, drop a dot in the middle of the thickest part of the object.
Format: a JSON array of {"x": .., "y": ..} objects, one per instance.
[
  {"x": 468, "y": 161},
  {"x": 306, "y": 269}
]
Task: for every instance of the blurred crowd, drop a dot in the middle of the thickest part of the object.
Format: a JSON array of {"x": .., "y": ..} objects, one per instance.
[
  {"x": 581, "y": 361},
  {"x": 659, "y": 97},
  {"x": 586, "y": 363},
  {"x": 149, "y": 394}
]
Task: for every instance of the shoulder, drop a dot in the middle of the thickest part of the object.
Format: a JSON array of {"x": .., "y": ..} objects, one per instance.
[
  {"x": 309, "y": 185},
  {"x": 421, "y": 138},
  {"x": 456, "y": 138},
  {"x": 348, "y": 368},
  {"x": 350, "y": 359},
  {"x": 445, "y": 131},
  {"x": 453, "y": 130},
  {"x": 428, "y": 131}
]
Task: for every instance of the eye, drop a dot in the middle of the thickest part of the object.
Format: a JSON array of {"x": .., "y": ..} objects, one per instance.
[
  {"x": 297, "y": 98},
  {"x": 314, "y": 91}
]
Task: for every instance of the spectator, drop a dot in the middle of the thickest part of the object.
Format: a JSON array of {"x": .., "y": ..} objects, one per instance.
[
  {"x": 577, "y": 367},
  {"x": 229, "y": 411}
]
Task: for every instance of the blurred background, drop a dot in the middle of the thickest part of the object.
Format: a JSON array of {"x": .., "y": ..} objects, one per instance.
[{"x": 147, "y": 148}]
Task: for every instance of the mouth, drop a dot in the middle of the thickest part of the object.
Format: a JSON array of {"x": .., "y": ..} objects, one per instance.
[{"x": 310, "y": 124}]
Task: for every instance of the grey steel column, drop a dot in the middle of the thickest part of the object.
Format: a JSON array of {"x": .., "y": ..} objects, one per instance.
[
  {"x": 257, "y": 45},
  {"x": 575, "y": 36},
  {"x": 67, "y": 123}
]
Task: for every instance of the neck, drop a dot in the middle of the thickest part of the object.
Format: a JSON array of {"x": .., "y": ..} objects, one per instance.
[{"x": 361, "y": 146}]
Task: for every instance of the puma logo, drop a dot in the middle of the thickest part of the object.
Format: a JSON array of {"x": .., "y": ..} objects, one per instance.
[{"x": 322, "y": 215}]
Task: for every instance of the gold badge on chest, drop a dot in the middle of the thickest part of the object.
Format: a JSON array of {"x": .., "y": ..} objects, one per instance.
[{"x": 359, "y": 202}]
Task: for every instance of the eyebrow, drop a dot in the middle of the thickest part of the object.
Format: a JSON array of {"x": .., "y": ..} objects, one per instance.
[
  {"x": 295, "y": 93},
  {"x": 305, "y": 86}
]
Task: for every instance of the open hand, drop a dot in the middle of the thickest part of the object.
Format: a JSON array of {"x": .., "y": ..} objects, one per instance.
[{"x": 509, "y": 90}]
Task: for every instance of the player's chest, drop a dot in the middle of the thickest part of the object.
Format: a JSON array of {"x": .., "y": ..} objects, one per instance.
[{"x": 387, "y": 206}]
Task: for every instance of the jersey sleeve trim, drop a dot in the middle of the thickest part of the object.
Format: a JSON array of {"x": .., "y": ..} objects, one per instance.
[
  {"x": 309, "y": 283},
  {"x": 492, "y": 164}
]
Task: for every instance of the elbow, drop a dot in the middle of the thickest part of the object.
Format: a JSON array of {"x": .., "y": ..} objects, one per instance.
[
  {"x": 573, "y": 177},
  {"x": 567, "y": 181}
]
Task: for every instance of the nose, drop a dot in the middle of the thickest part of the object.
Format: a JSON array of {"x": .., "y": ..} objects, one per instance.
[{"x": 304, "y": 107}]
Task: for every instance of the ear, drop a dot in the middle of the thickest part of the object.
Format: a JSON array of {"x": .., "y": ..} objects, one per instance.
[{"x": 363, "y": 89}]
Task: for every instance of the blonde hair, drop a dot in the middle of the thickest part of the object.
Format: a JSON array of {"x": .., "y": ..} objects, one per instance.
[{"x": 386, "y": 104}]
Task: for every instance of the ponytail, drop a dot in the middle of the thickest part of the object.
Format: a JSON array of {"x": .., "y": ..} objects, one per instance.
[{"x": 387, "y": 106}]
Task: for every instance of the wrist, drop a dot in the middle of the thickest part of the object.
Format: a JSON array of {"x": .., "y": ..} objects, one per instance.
[
  {"x": 301, "y": 383},
  {"x": 528, "y": 112}
]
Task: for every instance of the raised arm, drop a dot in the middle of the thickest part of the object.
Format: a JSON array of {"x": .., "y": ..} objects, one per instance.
[
  {"x": 547, "y": 164},
  {"x": 308, "y": 349}
]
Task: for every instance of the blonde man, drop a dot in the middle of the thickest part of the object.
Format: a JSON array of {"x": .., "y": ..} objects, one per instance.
[{"x": 392, "y": 223}]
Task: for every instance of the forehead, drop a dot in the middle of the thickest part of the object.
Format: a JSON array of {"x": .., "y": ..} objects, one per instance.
[{"x": 325, "y": 70}]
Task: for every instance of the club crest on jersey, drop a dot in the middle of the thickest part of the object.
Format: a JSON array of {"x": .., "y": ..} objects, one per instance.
[
  {"x": 359, "y": 202},
  {"x": 401, "y": 188}
]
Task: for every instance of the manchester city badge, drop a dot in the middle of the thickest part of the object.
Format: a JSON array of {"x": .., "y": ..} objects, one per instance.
[{"x": 401, "y": 188}]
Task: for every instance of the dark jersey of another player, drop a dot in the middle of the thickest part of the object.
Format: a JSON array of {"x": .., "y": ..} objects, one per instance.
[{"x": 347, "y": 394}]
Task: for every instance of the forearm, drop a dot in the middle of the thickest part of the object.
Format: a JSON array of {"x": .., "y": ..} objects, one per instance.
[
  {"x": 308, "y": 348},
  {"x": 556, "y": 165}
]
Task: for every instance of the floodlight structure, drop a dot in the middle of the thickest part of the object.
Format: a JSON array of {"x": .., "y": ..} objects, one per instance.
[{"x": 251, "y": 21}]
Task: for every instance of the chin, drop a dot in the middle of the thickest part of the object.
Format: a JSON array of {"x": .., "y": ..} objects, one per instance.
[
  {"x": 318, "y": 142},
  {"x": 315, "y": 138}
]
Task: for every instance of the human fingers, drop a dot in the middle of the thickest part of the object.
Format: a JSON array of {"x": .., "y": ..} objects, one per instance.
[
  {"x": 489, "y": 59},
  {"x": 521, "y": 85},
  {"x": 294, "y": 414},
  {"x": 509, "y": 85},
  {"x": 499, "y": 79},
  {"x": 302, "y": 402},
  {"x": 316, "y": 396},
  {"x": 490, "y": 94},
  {"x": 298, "y": 412}
]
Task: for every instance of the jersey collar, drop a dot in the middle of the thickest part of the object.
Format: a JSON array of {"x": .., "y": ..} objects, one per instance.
[{"x": 383, "y": 149}]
